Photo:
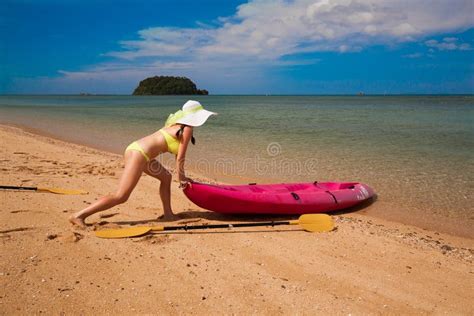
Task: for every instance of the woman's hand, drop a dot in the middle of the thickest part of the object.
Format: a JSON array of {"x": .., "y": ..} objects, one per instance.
[
  {"x": 184, "y": 182},
  {"x": 185, "y": 179}
]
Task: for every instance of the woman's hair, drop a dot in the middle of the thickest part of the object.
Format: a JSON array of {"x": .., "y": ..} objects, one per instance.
[{"x": 179, "y": 133}]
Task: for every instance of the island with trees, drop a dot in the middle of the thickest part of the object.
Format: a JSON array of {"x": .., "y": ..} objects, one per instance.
[{"x": 168, "y": 85}]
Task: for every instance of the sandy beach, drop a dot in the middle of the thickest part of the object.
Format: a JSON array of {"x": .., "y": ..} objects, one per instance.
[{"x": 365, "y": 266}]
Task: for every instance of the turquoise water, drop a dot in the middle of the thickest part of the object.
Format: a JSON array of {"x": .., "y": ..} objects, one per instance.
[{"x": 415, "y": 151}]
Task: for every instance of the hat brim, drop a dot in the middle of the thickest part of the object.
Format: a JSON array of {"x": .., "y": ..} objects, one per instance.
[{"x": 196, "y": 119}]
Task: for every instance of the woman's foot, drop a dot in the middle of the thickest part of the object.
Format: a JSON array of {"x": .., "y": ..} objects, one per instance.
[
  {"x": 169, "y": 217},
  {"x": 77, "y": 221}
]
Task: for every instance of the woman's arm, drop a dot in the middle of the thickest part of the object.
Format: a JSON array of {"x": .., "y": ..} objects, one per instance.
[{"x": 180, "y": 158}]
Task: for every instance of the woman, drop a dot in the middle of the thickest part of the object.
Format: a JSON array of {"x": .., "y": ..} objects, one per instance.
[{"x": 139, "y": 157}]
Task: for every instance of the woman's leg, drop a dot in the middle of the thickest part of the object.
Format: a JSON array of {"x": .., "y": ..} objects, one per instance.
[
  {"x": 134, "y": 166},
  {"x": 157, "y": 171}
]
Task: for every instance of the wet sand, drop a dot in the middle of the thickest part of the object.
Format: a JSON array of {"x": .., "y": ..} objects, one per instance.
[{"x": 366, "y": 266}]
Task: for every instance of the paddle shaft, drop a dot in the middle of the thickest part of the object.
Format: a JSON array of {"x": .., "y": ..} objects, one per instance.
[
  {"x": 195, "y": 227},
  {"x": 309, "y": 222},
  {"x": 9, "y": 187}
]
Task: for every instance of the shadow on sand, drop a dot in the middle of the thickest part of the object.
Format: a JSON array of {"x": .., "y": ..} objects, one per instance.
[{"x": 191, "y": 216}]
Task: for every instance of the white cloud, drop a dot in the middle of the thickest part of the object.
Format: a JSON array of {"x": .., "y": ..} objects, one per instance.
[
  {"x": 448, "y": 43},
  {"x": 164, "y": 41},
  {"x": 267, "y": 30}
]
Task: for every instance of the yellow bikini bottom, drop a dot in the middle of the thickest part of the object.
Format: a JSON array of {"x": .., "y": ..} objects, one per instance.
[{"x": 135, "y": 146}]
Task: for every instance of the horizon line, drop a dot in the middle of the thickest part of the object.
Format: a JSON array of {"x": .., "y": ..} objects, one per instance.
[{"x": 241, "y": 94}]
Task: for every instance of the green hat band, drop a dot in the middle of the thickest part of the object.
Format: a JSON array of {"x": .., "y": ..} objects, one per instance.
[{"x": 174, "y": 117}]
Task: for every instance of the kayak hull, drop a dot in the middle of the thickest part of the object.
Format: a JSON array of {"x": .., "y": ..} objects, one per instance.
[{"x": 284, "y": 198}]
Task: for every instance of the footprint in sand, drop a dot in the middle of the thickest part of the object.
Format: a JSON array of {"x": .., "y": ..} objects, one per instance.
[
  {"x": 108, "y": 215},
  {"x": 26, "y": 211},
  {"x": 154, "y": 238},
  {"x": 20, "y": 211},
  {"x": 23, "y": 168},
  {"x": 19, "y": 229},
  {"x": 72, "y": 237}
]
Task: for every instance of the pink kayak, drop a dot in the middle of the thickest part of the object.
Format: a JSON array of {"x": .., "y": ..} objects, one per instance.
[{"x": 285, "y": 198}]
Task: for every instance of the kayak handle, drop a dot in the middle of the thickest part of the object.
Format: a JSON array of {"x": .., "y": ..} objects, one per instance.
[{"x": 295, "y": 196}]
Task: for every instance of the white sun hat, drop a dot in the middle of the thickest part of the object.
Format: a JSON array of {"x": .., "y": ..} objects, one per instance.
[{"x": 192, "y": 114}]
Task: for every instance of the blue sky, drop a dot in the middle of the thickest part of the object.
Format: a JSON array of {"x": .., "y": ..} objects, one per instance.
[{"x": 238, "y": 47}]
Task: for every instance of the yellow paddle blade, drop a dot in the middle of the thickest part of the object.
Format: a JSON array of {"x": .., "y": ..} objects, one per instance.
[
  {"x": 62, "y": 191},
  {"x": 126, "y": 232},
  {"x": 315, "y": 222}
]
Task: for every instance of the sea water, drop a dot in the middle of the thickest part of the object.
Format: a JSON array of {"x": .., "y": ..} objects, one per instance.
[{"x": 415, "y": 151}]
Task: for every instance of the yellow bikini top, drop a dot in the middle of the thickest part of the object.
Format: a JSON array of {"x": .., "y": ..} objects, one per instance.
[{"x": 172, "y": 142}]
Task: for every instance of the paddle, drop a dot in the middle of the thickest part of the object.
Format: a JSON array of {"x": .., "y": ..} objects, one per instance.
[
  {"x": 309, "y": 222},
  {"x": 51, "y": 190}
]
